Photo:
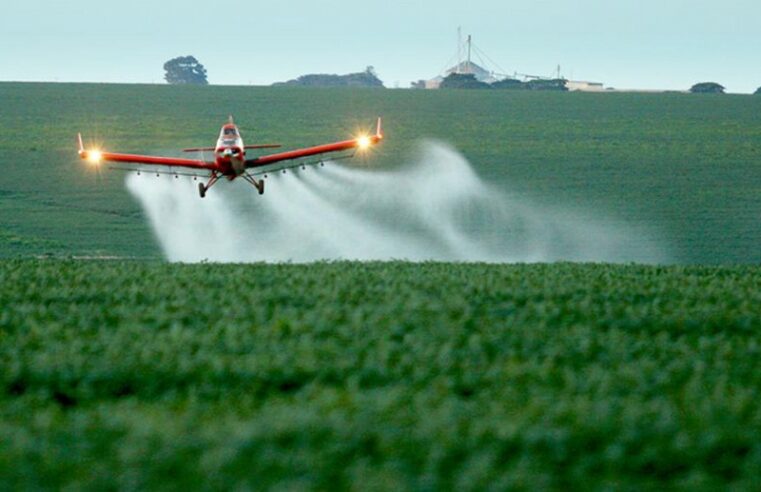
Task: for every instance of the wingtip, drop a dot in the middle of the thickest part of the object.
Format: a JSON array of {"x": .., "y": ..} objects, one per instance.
[{"x": 79, "y": 142}]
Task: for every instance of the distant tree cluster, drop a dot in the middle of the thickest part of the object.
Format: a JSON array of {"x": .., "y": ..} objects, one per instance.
[
  {"x": 758, "y": 92},
  {"x": 546, "y": 85},
  {"x": 707, "y": 88},
  {"x": 469, "y": 81},
  {"x": 368, "y": 78},
  {"x": 185, "y": 70},
  {"x": 509, "y": 84},
  {"x": 462, "y": 81}
]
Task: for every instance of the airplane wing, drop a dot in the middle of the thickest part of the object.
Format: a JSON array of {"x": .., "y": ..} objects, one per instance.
[
  {"x": 97, "y": 156},
  {"x": 359, "y": 143}
]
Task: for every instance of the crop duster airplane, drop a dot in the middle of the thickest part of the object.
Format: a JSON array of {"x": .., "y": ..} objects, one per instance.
[{"x": 230, "y": 160}]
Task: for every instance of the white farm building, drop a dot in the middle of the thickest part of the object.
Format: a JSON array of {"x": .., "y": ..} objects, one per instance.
[{"x": 466, "y": 67}]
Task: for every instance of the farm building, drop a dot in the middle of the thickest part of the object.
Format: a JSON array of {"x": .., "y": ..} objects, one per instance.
[{"x": 465, "y": 67}]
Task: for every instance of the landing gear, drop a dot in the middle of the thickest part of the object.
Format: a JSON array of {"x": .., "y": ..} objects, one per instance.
[
  {"x": 203, "y": 188},
  {"x": 256, "y": 183}
]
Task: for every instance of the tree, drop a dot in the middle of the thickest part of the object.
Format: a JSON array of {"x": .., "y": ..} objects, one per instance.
[
  {"x": 368, "y": 78},
  {"x": 707, "y": 88},
  {"x": 508, "y": 83},
  {"x": 547, "y": 85},
  {"x": 462, "y": 81},
  {"x": 185, "y": 70},
  {"x": 758, "y": 92},
  {"x": 532, "y": 85}
]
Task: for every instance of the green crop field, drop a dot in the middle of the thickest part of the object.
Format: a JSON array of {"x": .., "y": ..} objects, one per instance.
[
  {"x": 686, "y": 167},
  {"x": 142, "y": 375},
  {"x": 137, "y": 374}
]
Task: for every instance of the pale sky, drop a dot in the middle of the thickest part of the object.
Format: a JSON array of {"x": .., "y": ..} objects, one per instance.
[{"x": 646, "y": 44}]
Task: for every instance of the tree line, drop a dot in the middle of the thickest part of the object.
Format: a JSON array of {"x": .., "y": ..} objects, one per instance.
[
  {"x": 187, "y": 70},
  {"x": 368, "y": 78},
  {"x": 713, "y": 88},
  {"x": 469, "y": 81}
]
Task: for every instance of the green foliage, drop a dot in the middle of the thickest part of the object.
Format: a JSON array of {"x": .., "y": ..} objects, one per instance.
[
  {"x": 547, "y": 85},
  {"x": 462, "y": 81},
  {"x": 513, "y": 84},
  {"x": 368, "y": 78},
  {"x": 683, "y": 169},
  {"x": 135, "y": 375},
  {"x": 707, "y": 88},
  {"x": 758, "y": 91},
  {"x": 532, "y": 85},
  {"x": 185, "y": 70}
]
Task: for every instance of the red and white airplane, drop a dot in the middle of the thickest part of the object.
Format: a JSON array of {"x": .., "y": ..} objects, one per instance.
[{"x": 230, "y": 159}]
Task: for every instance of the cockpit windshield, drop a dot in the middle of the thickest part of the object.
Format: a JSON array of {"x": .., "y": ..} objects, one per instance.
[{"x": 230, "y": 132}]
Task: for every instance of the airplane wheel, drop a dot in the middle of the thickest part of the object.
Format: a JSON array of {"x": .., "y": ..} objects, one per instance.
[
  {"x": 201, "y": 190},
  {"x": 261, "y": 187}
]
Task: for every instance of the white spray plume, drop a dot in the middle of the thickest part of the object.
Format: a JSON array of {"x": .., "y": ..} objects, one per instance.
[{"x": 433, "y": 209}]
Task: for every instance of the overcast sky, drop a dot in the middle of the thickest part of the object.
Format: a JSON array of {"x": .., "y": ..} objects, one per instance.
[{"x": 645, "y": 44}]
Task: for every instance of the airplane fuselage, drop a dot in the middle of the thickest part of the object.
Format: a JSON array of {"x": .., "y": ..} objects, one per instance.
[{"x": 230, "y": 153}]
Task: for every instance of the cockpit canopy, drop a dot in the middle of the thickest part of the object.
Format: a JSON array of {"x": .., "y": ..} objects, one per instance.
[{"x": 230, "y": 132}]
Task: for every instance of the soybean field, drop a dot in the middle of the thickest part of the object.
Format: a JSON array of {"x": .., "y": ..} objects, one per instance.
[
  {"x": 121, "y": 370},
  {"x": 430, "y": 376},
  {"x": 684, "y": 168}
]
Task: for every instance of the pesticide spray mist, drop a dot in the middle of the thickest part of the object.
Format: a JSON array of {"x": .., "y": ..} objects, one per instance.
[{"x": 435, "y": 208}]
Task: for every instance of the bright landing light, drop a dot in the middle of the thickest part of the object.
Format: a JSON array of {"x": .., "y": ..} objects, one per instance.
[
  {"x": 94, "y": 156},
  {"x": 363, "y": 142}
]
